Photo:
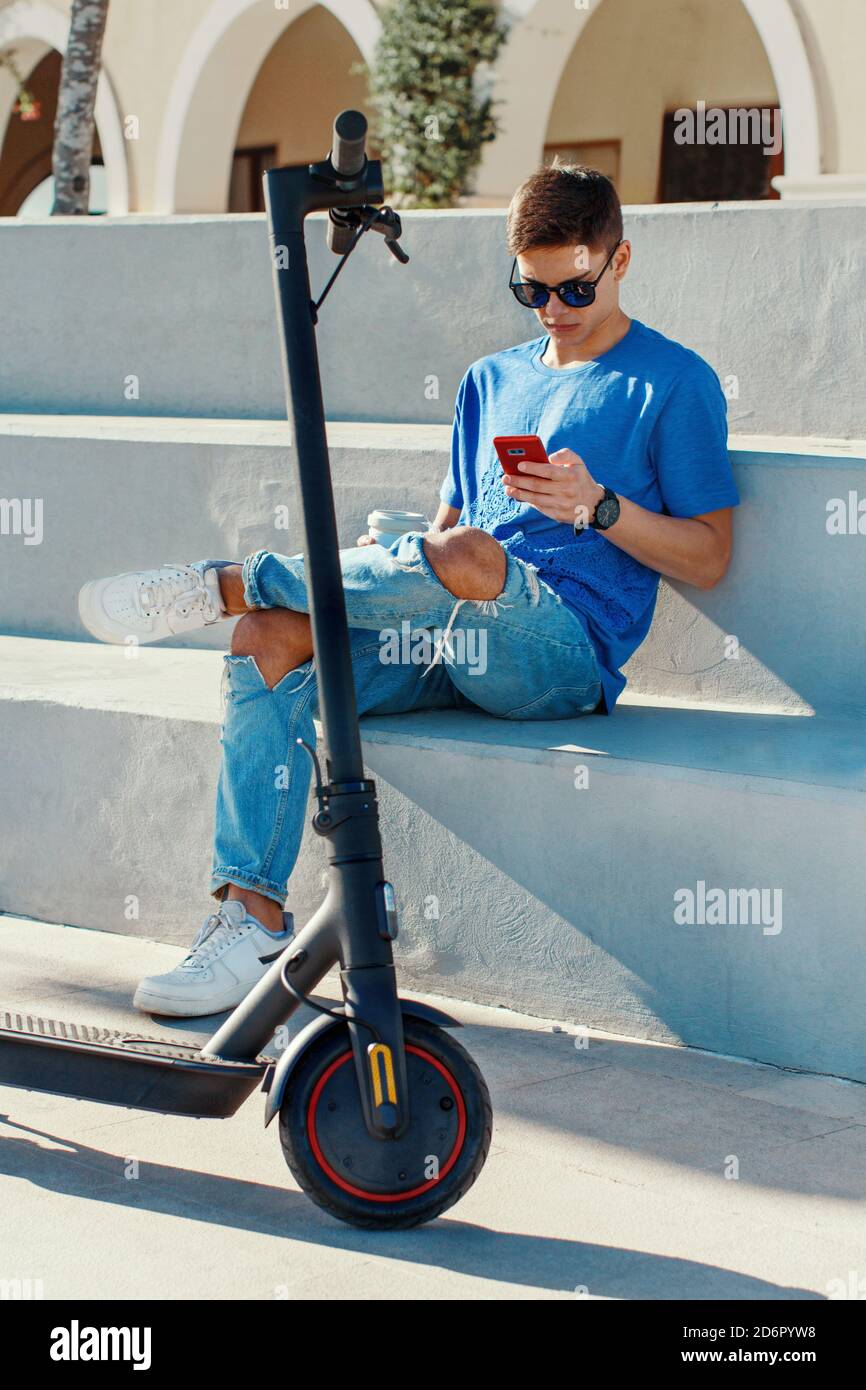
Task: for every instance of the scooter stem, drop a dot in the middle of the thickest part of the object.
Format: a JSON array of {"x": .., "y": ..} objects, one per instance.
[{"x": 291, "y": 193}]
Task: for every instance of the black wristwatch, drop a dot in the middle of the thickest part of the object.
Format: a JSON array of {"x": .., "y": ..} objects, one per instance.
[{"x": 606, "y": 511}]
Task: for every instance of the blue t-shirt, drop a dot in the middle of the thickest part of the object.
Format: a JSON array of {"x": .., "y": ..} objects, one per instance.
[{"x": 649, "y": 420}]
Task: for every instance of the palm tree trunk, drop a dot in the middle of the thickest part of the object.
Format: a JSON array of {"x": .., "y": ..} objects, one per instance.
[{"x": 73, "y": 127}]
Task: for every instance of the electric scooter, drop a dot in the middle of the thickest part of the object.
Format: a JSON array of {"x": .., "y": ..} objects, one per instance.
[{"x": 384, "y": 1119}]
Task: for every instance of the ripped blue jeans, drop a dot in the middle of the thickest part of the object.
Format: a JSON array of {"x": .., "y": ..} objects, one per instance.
[{"x": 522, "y": 655}]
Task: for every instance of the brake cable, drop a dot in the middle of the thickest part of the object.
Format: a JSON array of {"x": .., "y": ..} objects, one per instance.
[
  {"x": 320, "y": 1008},
  {"x": 368, "y": 217}
]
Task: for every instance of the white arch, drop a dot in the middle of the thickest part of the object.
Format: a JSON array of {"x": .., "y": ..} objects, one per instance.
[
  {"x": 795, "y": 82},
  {"x": 203, "y": 112},
  {"x": 552, "y": 27},
  {"x": 28, "y": 20}
]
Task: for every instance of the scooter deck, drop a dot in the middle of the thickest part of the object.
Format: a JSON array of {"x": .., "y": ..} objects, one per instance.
[{"x": 117, "y": 1068}]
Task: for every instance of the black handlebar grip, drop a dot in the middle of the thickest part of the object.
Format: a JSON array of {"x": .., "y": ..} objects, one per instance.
[
  {"x": 340, "y": 236},
  {"x": 347, "y": 146}
]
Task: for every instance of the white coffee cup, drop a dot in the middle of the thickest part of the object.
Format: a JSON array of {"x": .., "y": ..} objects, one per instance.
[{"x": 387, "y": 527}]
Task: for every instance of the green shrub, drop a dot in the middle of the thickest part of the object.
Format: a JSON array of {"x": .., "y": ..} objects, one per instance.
[{"x": 430, "y": 60}]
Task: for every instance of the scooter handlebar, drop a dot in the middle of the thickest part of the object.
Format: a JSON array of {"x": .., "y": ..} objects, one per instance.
[
  {"x": 340, "y": 234},
  {"x": 347, "y": 159},
  {"x": 347, "y": 146}
]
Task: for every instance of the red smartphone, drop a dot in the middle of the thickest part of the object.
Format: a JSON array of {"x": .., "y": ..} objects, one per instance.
[{"x": 513, "y": 449}]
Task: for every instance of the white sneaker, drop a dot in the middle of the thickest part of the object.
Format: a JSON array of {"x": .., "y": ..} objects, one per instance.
[
  {"x": 149, "y": 605},
  {"x": 230, "y": 954}
]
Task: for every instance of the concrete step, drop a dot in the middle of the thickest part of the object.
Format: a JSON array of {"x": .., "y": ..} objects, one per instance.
[
  {"x": 540, "y": 866},
  {"x": 179, "y": 312},
  {"x": 120, "y": 493}
]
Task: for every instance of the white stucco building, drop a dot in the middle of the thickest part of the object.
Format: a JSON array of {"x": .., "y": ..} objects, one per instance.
[{"x": 198, "y": 96}]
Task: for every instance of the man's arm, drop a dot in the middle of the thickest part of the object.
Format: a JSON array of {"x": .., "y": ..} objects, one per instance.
[
  {"x": 445, "y": 518},
  {"x": 694, "y": 549}
]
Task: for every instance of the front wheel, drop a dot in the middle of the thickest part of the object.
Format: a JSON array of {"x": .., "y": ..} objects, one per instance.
[{"x": 386, "y": 1183}]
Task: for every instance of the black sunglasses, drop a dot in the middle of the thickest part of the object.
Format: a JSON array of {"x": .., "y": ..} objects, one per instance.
[{"x": 577, "y": 294}]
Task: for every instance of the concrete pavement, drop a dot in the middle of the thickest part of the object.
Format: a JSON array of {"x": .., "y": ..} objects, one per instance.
[{"x": 606, "y": 1178}]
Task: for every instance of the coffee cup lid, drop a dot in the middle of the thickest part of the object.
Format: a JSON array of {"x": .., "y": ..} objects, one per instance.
[{"x": 397, "y": 521}]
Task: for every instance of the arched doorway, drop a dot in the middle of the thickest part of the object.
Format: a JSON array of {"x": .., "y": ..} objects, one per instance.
[
  {"x": 244, "y": 58},
  {"x": 546, "y": 39},
  {"x": 38, "y": 34}
]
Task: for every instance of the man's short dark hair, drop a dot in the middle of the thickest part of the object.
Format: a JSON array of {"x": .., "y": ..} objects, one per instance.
[{"x": 564, "y": 205}]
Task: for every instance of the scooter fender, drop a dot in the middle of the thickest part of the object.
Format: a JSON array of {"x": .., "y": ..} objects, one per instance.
[{"x": 277, "y": 1076}]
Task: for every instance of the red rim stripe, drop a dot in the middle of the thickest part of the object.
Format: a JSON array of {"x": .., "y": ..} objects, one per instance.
[{"x": 379, "y": 1196}]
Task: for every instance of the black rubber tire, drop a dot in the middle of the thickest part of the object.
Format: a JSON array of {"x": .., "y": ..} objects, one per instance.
[{"x": 312, "y": 1178}]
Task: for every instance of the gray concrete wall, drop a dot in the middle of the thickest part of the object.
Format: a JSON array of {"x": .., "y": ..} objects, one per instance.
[
  {"x": 516, "y": 886},
  {"x": 120, "y": 495},
  {"x": 769, "y": 293}
]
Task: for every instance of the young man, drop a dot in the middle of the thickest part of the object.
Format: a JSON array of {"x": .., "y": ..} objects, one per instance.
[{"x": 558, "y": 569}]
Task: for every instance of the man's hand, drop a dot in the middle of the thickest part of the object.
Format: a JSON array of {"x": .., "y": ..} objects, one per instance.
[
  {"x": 367, "y": 539},
  {"x": 562, "y": 489}
]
